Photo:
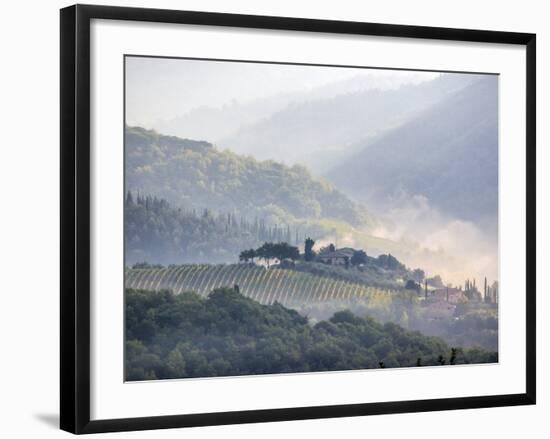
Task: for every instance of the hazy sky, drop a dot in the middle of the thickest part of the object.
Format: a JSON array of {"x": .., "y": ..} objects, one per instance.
[{"x": 162, "y": 89}]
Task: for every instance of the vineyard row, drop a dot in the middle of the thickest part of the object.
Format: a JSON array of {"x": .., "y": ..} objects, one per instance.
[{"x": 261, "y": 284}]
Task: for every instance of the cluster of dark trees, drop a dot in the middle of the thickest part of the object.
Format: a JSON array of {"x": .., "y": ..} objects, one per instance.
[
  {"x": 358, "y": 258},
  {"x": 417, "y": 280},
  {"x": 489, "y": 295},
  {"x": 382, "y": 271},
  {"x": 269, "y": 251},
  {"x": 177, "y": 336}
]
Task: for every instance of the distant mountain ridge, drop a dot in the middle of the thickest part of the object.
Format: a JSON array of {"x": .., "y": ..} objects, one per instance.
[
  {"x": 218, "y": 123},
  {"x": 317, "y": 132},
  {"x": 448, "y": 153}
]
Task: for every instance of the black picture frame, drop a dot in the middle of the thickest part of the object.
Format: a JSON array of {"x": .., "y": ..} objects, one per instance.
[{"x": 75, "y": 217}]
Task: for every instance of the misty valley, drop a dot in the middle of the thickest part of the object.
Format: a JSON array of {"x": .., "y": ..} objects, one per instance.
[{"x": 348, "y": 226}]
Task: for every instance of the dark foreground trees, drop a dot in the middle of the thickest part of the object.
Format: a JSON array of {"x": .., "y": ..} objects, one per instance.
[{"x": 169, "y": 336}]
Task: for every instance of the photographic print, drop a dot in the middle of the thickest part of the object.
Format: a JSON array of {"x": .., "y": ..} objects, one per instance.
[{"x": 291, "y": 218}]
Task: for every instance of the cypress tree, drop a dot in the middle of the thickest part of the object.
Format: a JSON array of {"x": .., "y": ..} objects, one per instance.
[
  {"x": 288, "y": 234},
  {"x": 129, "y": 198},
  {"x": 308, "y": 249},
  {"x": 453, "y": 356}
]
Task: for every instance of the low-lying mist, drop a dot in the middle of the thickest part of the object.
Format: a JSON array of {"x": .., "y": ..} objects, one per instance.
[{"x": 454, "y": 248}]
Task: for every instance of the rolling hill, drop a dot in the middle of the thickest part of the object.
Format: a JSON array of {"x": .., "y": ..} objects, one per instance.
[{"x": 195, "y": 174}]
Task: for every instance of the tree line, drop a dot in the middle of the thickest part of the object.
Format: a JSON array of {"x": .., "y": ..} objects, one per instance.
[
  {"x": 226, "y": 334},
  {"x": 157, "y": 232},
  {"x": 283, "y": 250},
  {"x": 269, "y": 251}
]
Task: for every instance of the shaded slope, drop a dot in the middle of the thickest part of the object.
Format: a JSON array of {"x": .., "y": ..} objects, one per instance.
[{"x": 448, "y": 154}]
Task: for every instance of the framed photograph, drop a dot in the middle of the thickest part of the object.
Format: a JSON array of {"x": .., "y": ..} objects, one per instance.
[{"x": 274, "y": 218}]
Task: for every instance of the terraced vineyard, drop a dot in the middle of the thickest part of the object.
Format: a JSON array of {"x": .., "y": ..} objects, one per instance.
[{"x": 261, "y": 284}]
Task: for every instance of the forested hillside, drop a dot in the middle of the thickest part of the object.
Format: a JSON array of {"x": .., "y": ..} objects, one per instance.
[
  {"x": 157, "y": 232},
  {"x": 448, "y": 153},
  {"x": 192, "y": 174},
  {"x": 180, "y": 336}
]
